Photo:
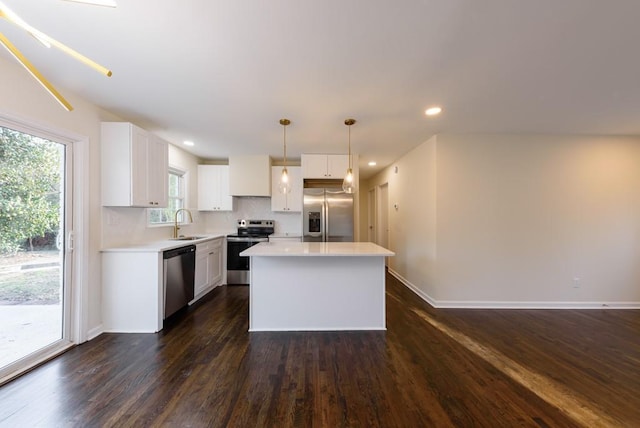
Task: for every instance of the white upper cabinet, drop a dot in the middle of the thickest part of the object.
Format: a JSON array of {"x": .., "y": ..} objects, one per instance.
[
  {"x": 250, "y": 175},
  {"x": 213, "y": 188},
  {"x": 324, "y": 166},
  {"x": 158, "y": 171},
  {"x": 134, "y": 166},
  {"x": 289, "y": 202},
  {"x": 337, "y": 166}
]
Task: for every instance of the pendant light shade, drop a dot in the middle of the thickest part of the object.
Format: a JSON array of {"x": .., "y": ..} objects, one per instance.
[
  {"x": 349, "y": 184},
  {"x": 285, "y": 184}
]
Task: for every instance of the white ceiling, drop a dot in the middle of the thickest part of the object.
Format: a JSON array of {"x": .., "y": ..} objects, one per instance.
[{"x": 223, "y": 72}]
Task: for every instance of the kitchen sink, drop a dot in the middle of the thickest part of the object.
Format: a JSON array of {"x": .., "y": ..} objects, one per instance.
[{"x": 187, "y": 238}]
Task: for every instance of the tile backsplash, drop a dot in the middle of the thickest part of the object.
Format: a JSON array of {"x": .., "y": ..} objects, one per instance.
[{"x": 253, "y": 208}]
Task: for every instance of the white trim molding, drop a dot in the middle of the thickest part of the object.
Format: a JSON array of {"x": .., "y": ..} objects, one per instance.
[
  {"x": 482, "y": 304},
  {"x": 80, "y": 213}
]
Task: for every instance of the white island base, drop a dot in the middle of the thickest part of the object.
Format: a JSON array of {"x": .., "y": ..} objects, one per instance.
[{"x": 307, "y": 286}]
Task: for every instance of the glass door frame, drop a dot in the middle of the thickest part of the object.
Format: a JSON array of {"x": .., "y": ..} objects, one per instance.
[{"x": 75, "y": 251}]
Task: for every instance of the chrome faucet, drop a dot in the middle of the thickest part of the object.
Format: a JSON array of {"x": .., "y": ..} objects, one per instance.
[{"x": 175, "y": 221}]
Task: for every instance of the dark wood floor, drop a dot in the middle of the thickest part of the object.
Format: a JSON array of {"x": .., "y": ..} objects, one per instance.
[{"x": 204, "y": 369}]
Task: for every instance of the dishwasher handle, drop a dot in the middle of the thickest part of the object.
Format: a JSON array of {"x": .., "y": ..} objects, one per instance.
[{"x": 169, "y": 254}]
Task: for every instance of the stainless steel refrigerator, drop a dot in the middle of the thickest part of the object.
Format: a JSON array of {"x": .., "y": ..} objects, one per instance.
[{"x": 327, "y": 215}]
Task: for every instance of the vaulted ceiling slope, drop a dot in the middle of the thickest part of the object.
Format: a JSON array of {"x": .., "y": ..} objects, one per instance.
[{"x": 223, "y": 72}]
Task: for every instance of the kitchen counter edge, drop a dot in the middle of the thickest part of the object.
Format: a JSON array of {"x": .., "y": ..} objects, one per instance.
[
  {"x": 317, "y": 249},
  {"x": 164, "y": 245}
]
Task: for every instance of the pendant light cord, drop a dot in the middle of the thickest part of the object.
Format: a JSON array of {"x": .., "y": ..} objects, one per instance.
[
  {"x": 350, "y": 122},
  {"x": 284, "y": 123},
  {"x": 285, "y": 146},
  {"x": 350, "y": 167}
]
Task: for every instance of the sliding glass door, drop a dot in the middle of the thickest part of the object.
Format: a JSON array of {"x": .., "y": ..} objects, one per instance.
[{"x": 35, "y": 248}]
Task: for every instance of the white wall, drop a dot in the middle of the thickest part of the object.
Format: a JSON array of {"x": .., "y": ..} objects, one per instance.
[
  {"x": 24, "y": 99},
  {"x": 412, "y": 234},
  {"x": 506, "y": 220}
]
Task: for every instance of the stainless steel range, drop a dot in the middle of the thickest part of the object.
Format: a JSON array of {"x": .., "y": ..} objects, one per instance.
[{"x": 250, "y": 233}]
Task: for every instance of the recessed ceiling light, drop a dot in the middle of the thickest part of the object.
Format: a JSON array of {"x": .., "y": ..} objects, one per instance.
[
  {"x": 188, "y": 143},
  {"x": 372, "y": 163},
  {"x": 432, "y": 111}
]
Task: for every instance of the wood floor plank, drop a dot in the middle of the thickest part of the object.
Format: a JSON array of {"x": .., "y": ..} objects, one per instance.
[{"x": 205, "y": 369}]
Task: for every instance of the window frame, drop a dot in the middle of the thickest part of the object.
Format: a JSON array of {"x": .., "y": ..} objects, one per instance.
[{"x": 181, "y": 199}]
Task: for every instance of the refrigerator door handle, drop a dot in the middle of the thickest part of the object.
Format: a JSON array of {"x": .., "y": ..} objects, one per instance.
[{"x": 325, "y": 232}]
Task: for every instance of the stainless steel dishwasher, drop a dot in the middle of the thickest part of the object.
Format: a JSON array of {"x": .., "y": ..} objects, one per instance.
[{"x": 179, "y": 270}]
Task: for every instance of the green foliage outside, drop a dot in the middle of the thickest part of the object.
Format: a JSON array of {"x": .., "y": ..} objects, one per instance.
[{"x": 30, "y": 178}]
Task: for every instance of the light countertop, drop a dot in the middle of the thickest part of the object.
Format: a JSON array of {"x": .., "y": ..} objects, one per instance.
[
  {"x": 285, "y": 235},
  {"x": 168, "y": 244},
  {"x": 324, "y": 249}
]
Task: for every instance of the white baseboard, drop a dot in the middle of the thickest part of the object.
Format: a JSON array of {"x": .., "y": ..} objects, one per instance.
[
  {"x": 266, "y": 330},
  {"x": 424, "y": 296},
  {"x": 482, "y": 304},
  {"x": 95, "y": 332}
]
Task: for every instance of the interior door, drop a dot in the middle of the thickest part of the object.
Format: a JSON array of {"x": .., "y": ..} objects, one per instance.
[{"x": 371, "y": 216}]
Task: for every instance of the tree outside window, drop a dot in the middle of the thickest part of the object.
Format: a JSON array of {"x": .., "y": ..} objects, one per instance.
[{"x": 29, "y": 190}]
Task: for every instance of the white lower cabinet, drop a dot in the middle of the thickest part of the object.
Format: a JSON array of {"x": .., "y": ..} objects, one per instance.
[
  {"x": 215, "y": 271},
  {"x": 132, "y": 291},
  {"x": 133, "y": 285},
  {"x": 209, "y": 266},
  {"x": 201, "y": 281}
]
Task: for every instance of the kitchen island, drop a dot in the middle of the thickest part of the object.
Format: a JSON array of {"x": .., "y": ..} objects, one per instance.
[{"x": 305, "y": 286}]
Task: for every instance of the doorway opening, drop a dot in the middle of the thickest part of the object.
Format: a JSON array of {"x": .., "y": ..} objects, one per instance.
[
  {"x": 383, "y": 215},
  {"x": 372, "y": 217}
]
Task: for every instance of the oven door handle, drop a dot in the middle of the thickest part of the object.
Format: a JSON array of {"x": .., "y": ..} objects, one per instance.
[
  {"x": 242, "y": 239},
  {"x": 237, "y": 239}
]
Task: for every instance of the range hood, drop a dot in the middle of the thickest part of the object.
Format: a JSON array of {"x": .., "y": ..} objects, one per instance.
[{"x": 250, "y": 175}]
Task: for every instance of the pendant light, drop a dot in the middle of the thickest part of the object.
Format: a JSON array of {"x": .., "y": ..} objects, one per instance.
[
  {"x": 348, "y": 184},
  {"x": 285, "y": 185}
]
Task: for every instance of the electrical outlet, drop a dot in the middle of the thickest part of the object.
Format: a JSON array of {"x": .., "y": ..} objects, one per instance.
[{"x": 576, "y": 282}]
